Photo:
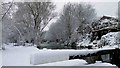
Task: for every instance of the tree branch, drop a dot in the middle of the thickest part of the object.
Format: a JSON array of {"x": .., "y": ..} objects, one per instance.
[{"x": 7, "y": 10}]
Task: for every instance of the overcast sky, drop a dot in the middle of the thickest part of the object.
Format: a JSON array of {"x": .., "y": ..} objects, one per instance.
[
  {"x": 103, "y": 7},
  {"x": 106, "y": 7}
]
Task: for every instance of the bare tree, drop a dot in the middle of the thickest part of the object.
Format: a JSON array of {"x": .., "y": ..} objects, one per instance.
[
  {"x": 34, "y": 16},
  {"x": 55, "y": 32},
  {"x": 66, "y": 18},
  {"x": 85, "y": 15},
  {"x": 5, "y": 15},
  {"x": 79, "y": 17},
  {"x": 119, "y": 10},
  {"x": 74, "y": 18},
  {"x": 5, "y": 8}
]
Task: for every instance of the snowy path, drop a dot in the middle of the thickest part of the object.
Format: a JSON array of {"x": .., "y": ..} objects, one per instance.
[{"x": 18, "y": 56}]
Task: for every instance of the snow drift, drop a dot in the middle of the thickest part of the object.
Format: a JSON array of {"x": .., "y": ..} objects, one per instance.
[
  {"x": 48, "y": 56},
  {"x": 56, "y": 55},
  {"x": 17, "y": 55}
]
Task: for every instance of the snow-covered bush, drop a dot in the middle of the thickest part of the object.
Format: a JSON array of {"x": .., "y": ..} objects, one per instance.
[
  {"x": 106, "y": 22},
  {"x": 85, "y": 41},
  {"x": 118, "y": 39},
  {"x": 111, "y": 39}
]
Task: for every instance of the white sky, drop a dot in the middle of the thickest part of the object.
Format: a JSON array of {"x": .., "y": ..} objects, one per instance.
[{"x": 103, "y": 7}]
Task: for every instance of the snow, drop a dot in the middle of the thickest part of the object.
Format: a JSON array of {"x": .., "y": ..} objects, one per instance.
[
  {"x": 94, "y": 43},
  {"x": 99, "y": 63},
  {"x": 48, "y": 56},
  {"x": 110, "y": 38},
  {"x": 85, "y": 41},
  {"x": 75, "y": 62},
  {"x": 56, "y": 55},
  {"x": 30, "y": 55},
  {"x": 17, "y": 55},
  {"x": 106, "y": 23}
]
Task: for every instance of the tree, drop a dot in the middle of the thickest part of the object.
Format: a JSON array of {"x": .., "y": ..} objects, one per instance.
[
  {"x": 77, "y": 16},
  {"x": 85, "y": 15},
  {"x": 7, "y": 28},
  {"x": 55, "y": 32},
  {"x": 34, "y": 17},
  {"x": 119, "y": 10},
  {"x": 5, "y": 9},
  {"x": 73, "y": 19},
  {"x": 66, "y": 19}
]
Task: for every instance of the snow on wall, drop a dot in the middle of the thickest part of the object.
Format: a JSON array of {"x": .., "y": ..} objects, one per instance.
[
  {"x": 55, "y": 55},
  {"x": 48, "y": 56}
]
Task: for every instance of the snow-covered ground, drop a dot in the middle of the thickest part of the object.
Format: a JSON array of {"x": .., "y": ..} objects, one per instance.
[
  {"x": 17, "y": 55},
  {"x": 21, "y": 56},
  {"x": 99, "y": 63},
  {"x": 75, "y": 62}
]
